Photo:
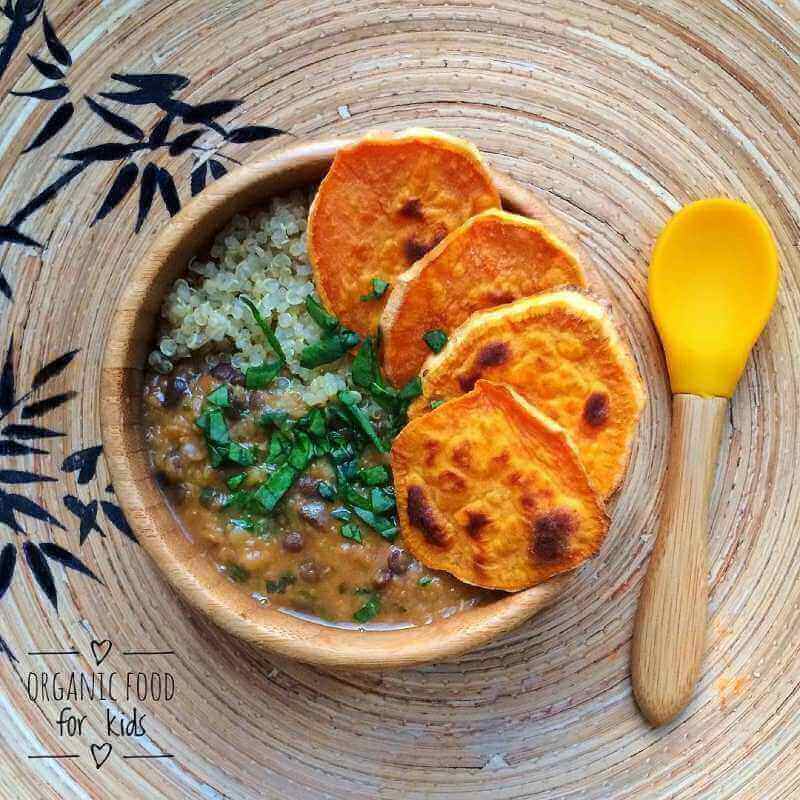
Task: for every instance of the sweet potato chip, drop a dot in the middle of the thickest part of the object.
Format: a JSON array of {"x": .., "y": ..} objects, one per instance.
[
  {"x": 491, "y": 490},
  {"x": 385, "y": 202},
  {"x": 492, "y": 259},
  {"x": 562, "y": 353}
]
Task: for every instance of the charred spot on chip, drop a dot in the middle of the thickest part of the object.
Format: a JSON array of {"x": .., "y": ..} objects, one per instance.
[
  {"x": 420, "y": 515},
  {"x": 476, "y": 520},
  {"x": 551, "y": 534},
  {"x": 412, "y": 208},
  {"x": 415, "y": 248},
  {"x": 468, "y": 380},
  {"x": 500, "y": 298},
  {"x": 462, "y": 455},
  {"x": 451, "y": 481},
  {"x": 595, "y": 411},
  {"x": 431, "y": 450},
  {"x": 493, "y": 354}
]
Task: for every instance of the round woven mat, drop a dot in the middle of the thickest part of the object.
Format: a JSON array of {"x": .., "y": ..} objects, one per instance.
[{"x": 621, "y": 112}]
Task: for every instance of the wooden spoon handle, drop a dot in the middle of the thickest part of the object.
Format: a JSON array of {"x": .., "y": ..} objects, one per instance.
[{"x": 670, "y": 628}]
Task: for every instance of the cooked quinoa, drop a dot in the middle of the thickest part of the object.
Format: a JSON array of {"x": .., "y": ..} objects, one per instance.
[{"x": 264, "y": 258}]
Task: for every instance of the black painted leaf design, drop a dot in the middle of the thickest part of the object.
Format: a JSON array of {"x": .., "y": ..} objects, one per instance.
[
  {"x": 47, "y": 194},
  {"x": 5, "y": 288},
  {"x": 54, "y": 45},
  {"x": 84, "y": 462},
  {"x": 252, "y": 133},
  {"x": 217, "y": 169},
  {"x": 8, "y": 447},
  {"x": 46, "y": 69},
  {"x": 8, "y": 10},
  {"x": 86, "y": 514},
  {"x": 199, "y": 178},
  {"x": 41, "y": 407},
  {"x": 24, "y": 432},
  {"x": 115, "y": 120},
  {"x": 123, "y": 183},
  {"x": 112, "y": 151},
  {"x": 169, "y": 194},
  {"x": 8, "y": 560},
  {"x": 58, "y": 119},
  {"x": 48, "y": 93},
  {"x": 56, "y": 553},
  {"x": 114, "y": 513},
  {"x": 147, "y": 191},
  {"x": 13, "y": 236},
  {"x": 7, "y": 386},
  {"x": 41, "y": 571},
  {"x": 52, "y": 369},
  {"x": 163, "y": 83},
  {"x": 208, "y": 112},
  {"x": 29, "y": 508},
  {"x": 21, "y": 476},
  {"x": 7, "y": 515},
  {"x": 136, "y": 98},
  {"x": 183, "y": 142},
  {"x": 159, "y": 133}
]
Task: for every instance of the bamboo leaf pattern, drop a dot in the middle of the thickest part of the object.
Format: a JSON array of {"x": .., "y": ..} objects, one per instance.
[
  {"x": 41, "y": 572},
  {"x": 57, "y": 120}
]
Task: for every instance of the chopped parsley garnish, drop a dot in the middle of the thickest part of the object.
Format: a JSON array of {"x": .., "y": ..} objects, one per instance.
[
  {"x": 342, "y": 513},
  {"x": 276, "y": 486},
  {"x": 315, "y": 423},
  {"x": 262, "y": 376},
  {"x": 381, "y": 500},
  {"x": 369, "y": 610},
  {"x": 240, "y": 454},
  {"x": 435, "y": 404},
  {"x": 300, "y": 454},
  {"x": 336, "y": 340},
  {"x": 265, "y": 327},
  {"x": 236, "y": 573},
  {"x": 351, "y": 531},
  {"x": 326, "y": 491},
  {"x": 235, "y": 481},
  {"x": 435, "y": 339},
  {"x": 379, "y": 287},
  {"x": 382, "y": 525},
  {"x": 279, "y": 586},
  {"x": 349, "y": 401},
  {"x": 325, "y": 320},
  {"x": 219, "y": 397},
  {"x": 365, "y": 370},
  {"x": 375, "y": 476},
  {"x": 424, "y": 580},
  {"x": 411, "y": 390},
  {"x": 215, "y": 430}
]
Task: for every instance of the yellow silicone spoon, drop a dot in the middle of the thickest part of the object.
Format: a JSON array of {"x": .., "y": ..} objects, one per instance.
[{"x": 713, "y": 282}]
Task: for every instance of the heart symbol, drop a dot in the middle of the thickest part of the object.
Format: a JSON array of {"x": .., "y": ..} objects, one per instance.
[
  {"x": 100, "y": 753},
  {"x": 100, "y": 650}
]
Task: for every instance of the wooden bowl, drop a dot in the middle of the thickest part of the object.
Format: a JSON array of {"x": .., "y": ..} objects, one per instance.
[{"x": 157, "y": 528}]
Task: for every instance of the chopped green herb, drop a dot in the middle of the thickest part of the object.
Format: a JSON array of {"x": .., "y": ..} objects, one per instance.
[
  {"x": 235, "y": 481},
  {"x": 436, "y": 404},
  {"x": 379, "y": 288},
  {"x": 280, "y": 419},
  {"x": 265, "y": 327},
  {"x": 425, "y": 580},
  {"x": 300, "y": 454},
  {"x": 381, "y": 500},
  {"x": 239, "y": 454},
  {"x": 385, "y": 396},
  {"x": 382, "y": 525},
  {"x": 375, "y": 476},
  {"x": 276, "y": 486},
  {"x": 219, "y": 397},
  {"x": 326, "y": 491},
  {"x": 369, "y": 610},
  {"x": 351, "y": 531},
  {"x": 315, "y": 422},
  {"x": 325, "y": 320},
  {"x": 215, "y": 429},
  {"x": 435, "y": 339},
  {"x": 236, "y": 573},
  {"x": 411, "y": 390},
  {"x": 278, "y": 445},
  {"x": 364, "y": 370},
  {"x": 355, "y": 498},
  {"x": 349, "y": 399},
  {"x": 262, "y": 376},
  {"x": 279, "y": 586},
  {"x": 342, "y": 513},
  {"x": 330, "y": 347}
]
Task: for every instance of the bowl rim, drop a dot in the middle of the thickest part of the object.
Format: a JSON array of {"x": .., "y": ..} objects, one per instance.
[{"x": 186, "y": 568}]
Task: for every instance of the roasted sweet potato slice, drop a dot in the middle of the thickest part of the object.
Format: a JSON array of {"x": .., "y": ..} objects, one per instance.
[
  {"x": 492, "y": 491},
  {"x": 562, "y": 353},
  {"x": 492, "y": 259},
  {"x": 385, "y": 202}
]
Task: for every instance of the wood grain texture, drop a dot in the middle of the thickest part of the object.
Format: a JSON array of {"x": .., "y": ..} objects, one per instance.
[
  {"x": 620, "y": 111},
  {"x": 669, "y": 631}
]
